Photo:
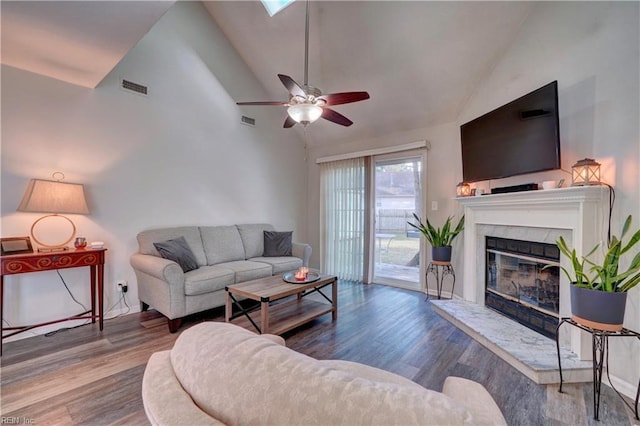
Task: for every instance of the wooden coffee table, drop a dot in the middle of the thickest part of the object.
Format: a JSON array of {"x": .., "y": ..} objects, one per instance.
[{"x": 280, "y": 317}]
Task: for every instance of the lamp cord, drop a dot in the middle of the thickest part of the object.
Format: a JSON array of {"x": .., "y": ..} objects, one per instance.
[
  {"x": 122, "y": 297},
  {"x": 614, "y": 388},
  {"x": 612, "y": 200},
  {"x": 69, "y": 291}
]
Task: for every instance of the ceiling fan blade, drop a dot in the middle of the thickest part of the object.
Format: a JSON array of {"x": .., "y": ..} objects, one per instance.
[
  {"x": 289, "y": 122},
  {"x": 336, "y": 117},
  {"x": 263, "y": 103},
  {"x": 293, "y": 87},
  {"x": 344, "y": 98}
]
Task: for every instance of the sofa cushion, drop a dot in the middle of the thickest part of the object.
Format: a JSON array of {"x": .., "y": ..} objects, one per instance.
[
  {"x": 280, "y": 264},
  {"x": 247, "y": 270},
  {"x": 190, "y": 233},
  {"x": 253, "y": 238},
  {"x": 277, "y": 243},
  {"x": 226, "y": 369},
  {"x": 207, "y": 279},
  {"x": 178, "y": 250},
  {"x": 222, "y": 244}
]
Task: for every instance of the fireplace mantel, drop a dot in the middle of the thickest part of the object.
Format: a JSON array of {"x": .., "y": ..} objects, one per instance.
[
  {"x": 573, "y": 194},
  {"x": 577, "y": 213}
]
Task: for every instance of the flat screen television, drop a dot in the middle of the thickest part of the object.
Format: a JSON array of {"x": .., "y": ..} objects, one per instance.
[{"x": 520, "y": 137}]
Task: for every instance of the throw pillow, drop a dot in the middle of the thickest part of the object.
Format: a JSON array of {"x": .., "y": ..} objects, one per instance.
[
  {"x": 277, "y": 243},
  {"x": 178, "y": 250}
]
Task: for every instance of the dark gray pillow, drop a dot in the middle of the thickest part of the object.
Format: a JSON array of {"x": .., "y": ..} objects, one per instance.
[
  {"x": 178, "y": 250},
  {"x": 277, "y": 243}
]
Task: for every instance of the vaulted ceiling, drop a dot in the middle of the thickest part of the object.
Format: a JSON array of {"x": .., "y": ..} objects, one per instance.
[
  {"x": 419, "y": 60},
  {"x": 79, "y": 42}
]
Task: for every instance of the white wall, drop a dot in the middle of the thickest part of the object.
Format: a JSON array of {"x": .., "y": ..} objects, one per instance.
[
  {"x": 177, "y": 157},
  {"x": 592, "y": 49}
]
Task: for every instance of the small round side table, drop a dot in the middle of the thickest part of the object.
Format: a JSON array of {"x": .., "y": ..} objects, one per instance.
[{"x": 440, "y": 271}]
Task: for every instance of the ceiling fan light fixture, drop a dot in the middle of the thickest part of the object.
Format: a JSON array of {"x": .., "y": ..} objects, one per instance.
[{"x": 304, "y": 113}]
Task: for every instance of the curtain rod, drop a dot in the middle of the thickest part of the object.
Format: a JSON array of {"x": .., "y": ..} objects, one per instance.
[{"x": 376, "y": 151}]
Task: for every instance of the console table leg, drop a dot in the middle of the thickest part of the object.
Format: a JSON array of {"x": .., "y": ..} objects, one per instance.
[
  {"x": 93, "y": 272},
  {"x": 101, "y": 294}
]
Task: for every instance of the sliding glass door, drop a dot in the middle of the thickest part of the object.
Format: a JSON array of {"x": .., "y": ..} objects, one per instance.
[{"x": 397, "y": 193}]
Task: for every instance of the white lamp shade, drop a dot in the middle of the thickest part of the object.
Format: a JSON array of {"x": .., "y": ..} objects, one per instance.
[
  {"x": 47, "y": 196},
  {"x": 304, "y": 113}
]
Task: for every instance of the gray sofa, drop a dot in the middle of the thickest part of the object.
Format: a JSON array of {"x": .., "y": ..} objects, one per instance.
[
  {"x": 221, "y": 374},
  {"x": 224, "y": 254}
]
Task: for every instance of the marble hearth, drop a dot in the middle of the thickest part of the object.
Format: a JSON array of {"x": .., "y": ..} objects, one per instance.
[{"x": 577, "y": 213}]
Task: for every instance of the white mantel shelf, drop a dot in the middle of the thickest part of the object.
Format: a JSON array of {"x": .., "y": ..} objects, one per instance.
[{"x": 570, "y": 194}]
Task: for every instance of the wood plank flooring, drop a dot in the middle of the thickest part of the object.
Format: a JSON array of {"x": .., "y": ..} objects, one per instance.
[{"x": 87, "y": 377}]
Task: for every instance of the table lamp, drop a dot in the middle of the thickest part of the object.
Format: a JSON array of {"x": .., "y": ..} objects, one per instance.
[{"x": 54, "y": 197}]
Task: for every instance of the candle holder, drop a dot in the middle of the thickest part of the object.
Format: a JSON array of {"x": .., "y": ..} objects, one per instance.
[{"x": 463, "y": 189}]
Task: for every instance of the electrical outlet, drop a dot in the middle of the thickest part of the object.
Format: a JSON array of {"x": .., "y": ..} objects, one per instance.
[
  {"x": 434, "y": 205},
  {"x": 121, "y": 285}
]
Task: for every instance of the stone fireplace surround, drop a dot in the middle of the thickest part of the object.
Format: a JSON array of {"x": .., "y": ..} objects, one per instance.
[{"x": 579, "y": 214}]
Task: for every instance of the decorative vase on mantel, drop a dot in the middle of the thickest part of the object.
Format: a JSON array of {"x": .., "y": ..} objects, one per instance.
[{"x": 597, "y": 309}]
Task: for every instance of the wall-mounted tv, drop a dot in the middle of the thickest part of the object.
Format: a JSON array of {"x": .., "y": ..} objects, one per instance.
[{"x": 520, "y": 137}]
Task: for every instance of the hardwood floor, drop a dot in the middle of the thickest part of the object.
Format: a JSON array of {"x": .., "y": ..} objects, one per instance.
[{"x": 85, "y": 377}]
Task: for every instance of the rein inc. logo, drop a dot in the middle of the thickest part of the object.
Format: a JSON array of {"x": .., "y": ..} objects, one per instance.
[{"x": 16, "y": 420}]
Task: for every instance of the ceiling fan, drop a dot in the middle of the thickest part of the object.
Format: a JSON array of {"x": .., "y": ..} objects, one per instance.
[{"x": 307, "y": 103}]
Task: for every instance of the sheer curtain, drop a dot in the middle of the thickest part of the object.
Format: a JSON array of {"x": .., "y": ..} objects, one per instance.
[{"x": 342, "y": 222}]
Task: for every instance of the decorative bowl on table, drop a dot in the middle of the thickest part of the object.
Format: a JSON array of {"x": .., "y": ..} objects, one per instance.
[{"x": 292, "y": 277}]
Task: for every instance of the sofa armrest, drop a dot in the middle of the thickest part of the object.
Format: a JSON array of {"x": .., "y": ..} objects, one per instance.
[
  {"x": 165, "y": 401},
  {"x": 160, "y": 284},
  {"x": 275, "y": 339},
  {"x": 475, "y": 398},
  {"x": 158, "y": 267},
  {"x": 303, "y": 251}
]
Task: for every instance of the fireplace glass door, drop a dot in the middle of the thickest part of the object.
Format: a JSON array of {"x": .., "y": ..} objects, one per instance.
[{"x": 523, "y": 282}]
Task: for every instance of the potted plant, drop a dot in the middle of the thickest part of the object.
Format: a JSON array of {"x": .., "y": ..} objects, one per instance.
[
  {"x": 599, "y": 291},
  {"x": 439, "y": 238}
]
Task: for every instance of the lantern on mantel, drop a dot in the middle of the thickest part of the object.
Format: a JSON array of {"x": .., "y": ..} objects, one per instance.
[
  {"x": 463, "y": 189},
  {"x": 585, "y": 172}
]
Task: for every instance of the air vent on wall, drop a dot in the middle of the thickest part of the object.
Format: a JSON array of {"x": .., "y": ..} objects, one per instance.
[
  {"x": 248, "y": 121},
  {"x": 134, "y": 87}
]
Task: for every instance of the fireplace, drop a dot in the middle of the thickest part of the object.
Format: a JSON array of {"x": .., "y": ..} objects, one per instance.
[
  {"x": 576, "y": 213},
  {"x": 522, "y": 282}
]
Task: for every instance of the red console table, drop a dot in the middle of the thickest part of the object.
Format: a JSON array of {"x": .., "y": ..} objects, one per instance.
[{"x": 37, "y": 262}]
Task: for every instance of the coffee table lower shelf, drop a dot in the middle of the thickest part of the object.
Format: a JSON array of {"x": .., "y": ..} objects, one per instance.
[{"x": 286, "y": 315}]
